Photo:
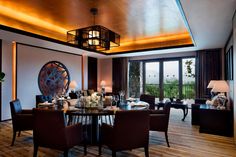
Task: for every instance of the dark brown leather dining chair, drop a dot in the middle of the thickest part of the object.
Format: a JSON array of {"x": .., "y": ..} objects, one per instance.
[
  {"x": 159, "y": 120},
  {"x": 130, "y": 131},
  {"x": 149, "y": 99},
  {"x": 42, "y": 99},
  {"x": 22, "y": 120},
  {"x": 50, "y": 131}
]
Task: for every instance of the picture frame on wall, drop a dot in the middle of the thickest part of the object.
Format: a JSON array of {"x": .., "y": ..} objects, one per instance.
[{"x": 229, "y": 71}]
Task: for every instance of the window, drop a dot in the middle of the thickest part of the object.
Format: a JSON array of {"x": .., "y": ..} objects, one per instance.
[
  {"x": 163, "y": 78},
  {"x": 188, "y": 75},
  {"x": 152, "y": 78},
  {"x": 135, "y": 79}
]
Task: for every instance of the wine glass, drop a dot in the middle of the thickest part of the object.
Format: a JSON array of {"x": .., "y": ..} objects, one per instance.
[
  {"x": 116, "y": 98},
  {"x": 111, "y": 99},
  {"x": 122, "y": 94}
]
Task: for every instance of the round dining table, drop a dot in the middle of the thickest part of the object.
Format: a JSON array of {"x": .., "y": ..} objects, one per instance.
[{"x": 91, "y": 117}]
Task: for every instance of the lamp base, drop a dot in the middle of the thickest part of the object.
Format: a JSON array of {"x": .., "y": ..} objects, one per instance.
[{"x": 73, "y": 95}]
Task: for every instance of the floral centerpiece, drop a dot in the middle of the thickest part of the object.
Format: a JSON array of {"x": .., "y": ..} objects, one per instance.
[{"x": 93, "y": 101}]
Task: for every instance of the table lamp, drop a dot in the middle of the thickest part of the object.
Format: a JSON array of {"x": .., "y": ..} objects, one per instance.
[
  {"x": 211, "y": 85},
  {"x": 73, "y": 86},
  {"x": 103, "y": 83},
  {"x": 221, "y": 87}
]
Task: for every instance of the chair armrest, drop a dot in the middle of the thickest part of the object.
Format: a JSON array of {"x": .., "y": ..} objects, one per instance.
[
  {"x": 27, "y": 111},
  {"x": 74, "y": 134},
  {"x": 158, "y": 116},
  {"x": 157, "y": 112},
  {"x": 22, "y": 116}
]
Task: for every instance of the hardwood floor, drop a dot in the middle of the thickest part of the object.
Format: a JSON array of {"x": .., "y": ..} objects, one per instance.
[{"x": 185, "y": 141}]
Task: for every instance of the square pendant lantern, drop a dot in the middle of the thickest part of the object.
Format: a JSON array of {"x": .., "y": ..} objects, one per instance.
[{"x": 95, "y": 37}]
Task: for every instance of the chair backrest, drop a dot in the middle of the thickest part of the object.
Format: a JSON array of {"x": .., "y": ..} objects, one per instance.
[
  {"x": 131, "y": 129},
  {"x": 15, "y": 106},
  {"x": 149, "y": 99},
  {"x": 49, "y": 128},
  {"x": 159, "y": 121},
  {"x": 42, "y": 99},
  {"x": 167, "y": 111}
]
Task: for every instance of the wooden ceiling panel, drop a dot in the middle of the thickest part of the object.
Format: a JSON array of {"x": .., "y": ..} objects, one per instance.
[{"x": 134, "y": 20}]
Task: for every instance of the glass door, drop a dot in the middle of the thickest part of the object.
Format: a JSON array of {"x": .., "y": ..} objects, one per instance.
[
  {"x": 188, "y": 75},
  {"x": 152, "y": 78},
  {"x": 171, "y": 79}
]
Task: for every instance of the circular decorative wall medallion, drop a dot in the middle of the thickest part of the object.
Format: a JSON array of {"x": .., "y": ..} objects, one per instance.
[{"x": 54, "y": 79}]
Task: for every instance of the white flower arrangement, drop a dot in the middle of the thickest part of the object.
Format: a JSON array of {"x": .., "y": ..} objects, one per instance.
[{"x": 93, "y": 100}]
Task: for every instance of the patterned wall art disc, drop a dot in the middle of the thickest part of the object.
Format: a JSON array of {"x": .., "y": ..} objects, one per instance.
[{"x": 54, "y": 79}]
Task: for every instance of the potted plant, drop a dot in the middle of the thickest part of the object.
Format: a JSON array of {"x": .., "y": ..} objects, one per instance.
[{"x": 2, "y": 75}]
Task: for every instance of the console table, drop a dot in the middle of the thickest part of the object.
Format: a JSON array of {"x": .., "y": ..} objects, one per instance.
[{"x": 215, "y": 121}]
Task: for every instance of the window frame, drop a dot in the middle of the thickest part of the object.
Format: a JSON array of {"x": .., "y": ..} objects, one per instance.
[{"x": 161, "y": 73}]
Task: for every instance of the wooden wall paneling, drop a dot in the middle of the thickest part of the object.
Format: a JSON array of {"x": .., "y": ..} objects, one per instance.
[
  {"x": 116, "y": 75},
  {"x": 92, "y": 73},
  {"x": 119, "y": 75},
  {"x": 0, "y": 83}
]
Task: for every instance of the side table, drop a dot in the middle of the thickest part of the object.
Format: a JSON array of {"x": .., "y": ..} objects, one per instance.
[{"x": 215, "y": 121}]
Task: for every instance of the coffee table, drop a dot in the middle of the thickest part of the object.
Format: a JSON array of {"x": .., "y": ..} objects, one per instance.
[{"x": 176, "y": 105}]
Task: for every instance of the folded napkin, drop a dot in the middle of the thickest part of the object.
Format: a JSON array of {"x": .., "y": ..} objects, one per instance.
[
  {"x": 112, "y": 108},
  {"x": 131, "y": 99},
  {"x": 139, "y": 104},
  {"x": 46, "y": 103}
]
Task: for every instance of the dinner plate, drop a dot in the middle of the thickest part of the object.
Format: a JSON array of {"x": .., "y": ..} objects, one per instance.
[{"x": 45, "y": 104}]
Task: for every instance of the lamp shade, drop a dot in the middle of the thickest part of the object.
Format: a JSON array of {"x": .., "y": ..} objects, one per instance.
[
  {"x": 220, "y": 86},
  {"x": 103, "y": 83},
  {"x": 73, "y": 84},
  {"x": 211, "y": 83}
]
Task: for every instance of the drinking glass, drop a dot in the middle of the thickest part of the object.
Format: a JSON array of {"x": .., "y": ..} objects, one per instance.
[
  {"x": 122, "y": 95},
  {"x": 116, "y": 98},
  {"x": 111, "y": 99}
]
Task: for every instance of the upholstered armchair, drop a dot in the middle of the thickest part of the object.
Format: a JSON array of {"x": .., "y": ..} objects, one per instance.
[
  {"x": 22, "y": 120},
  {"x": 159, "y": 120},
  {"x": 149, "y": 99},
  {"x": 42, "y": 99},
  {"x": 130, "y": 131},
  {"x": 50, "y": 131}
]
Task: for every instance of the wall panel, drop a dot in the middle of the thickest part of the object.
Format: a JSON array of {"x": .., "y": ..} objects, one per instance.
[
  {"x": 7, "y": 84},
  {"x": 29, "y": 62}
]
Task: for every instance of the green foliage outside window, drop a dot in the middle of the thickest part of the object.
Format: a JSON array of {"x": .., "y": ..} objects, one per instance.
[
  {"x": 152, "y": 89},
  {"x": 134, "y": 79},
  {"x": 189, "y": 90},
  {"x": 171, "y": 89}
]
